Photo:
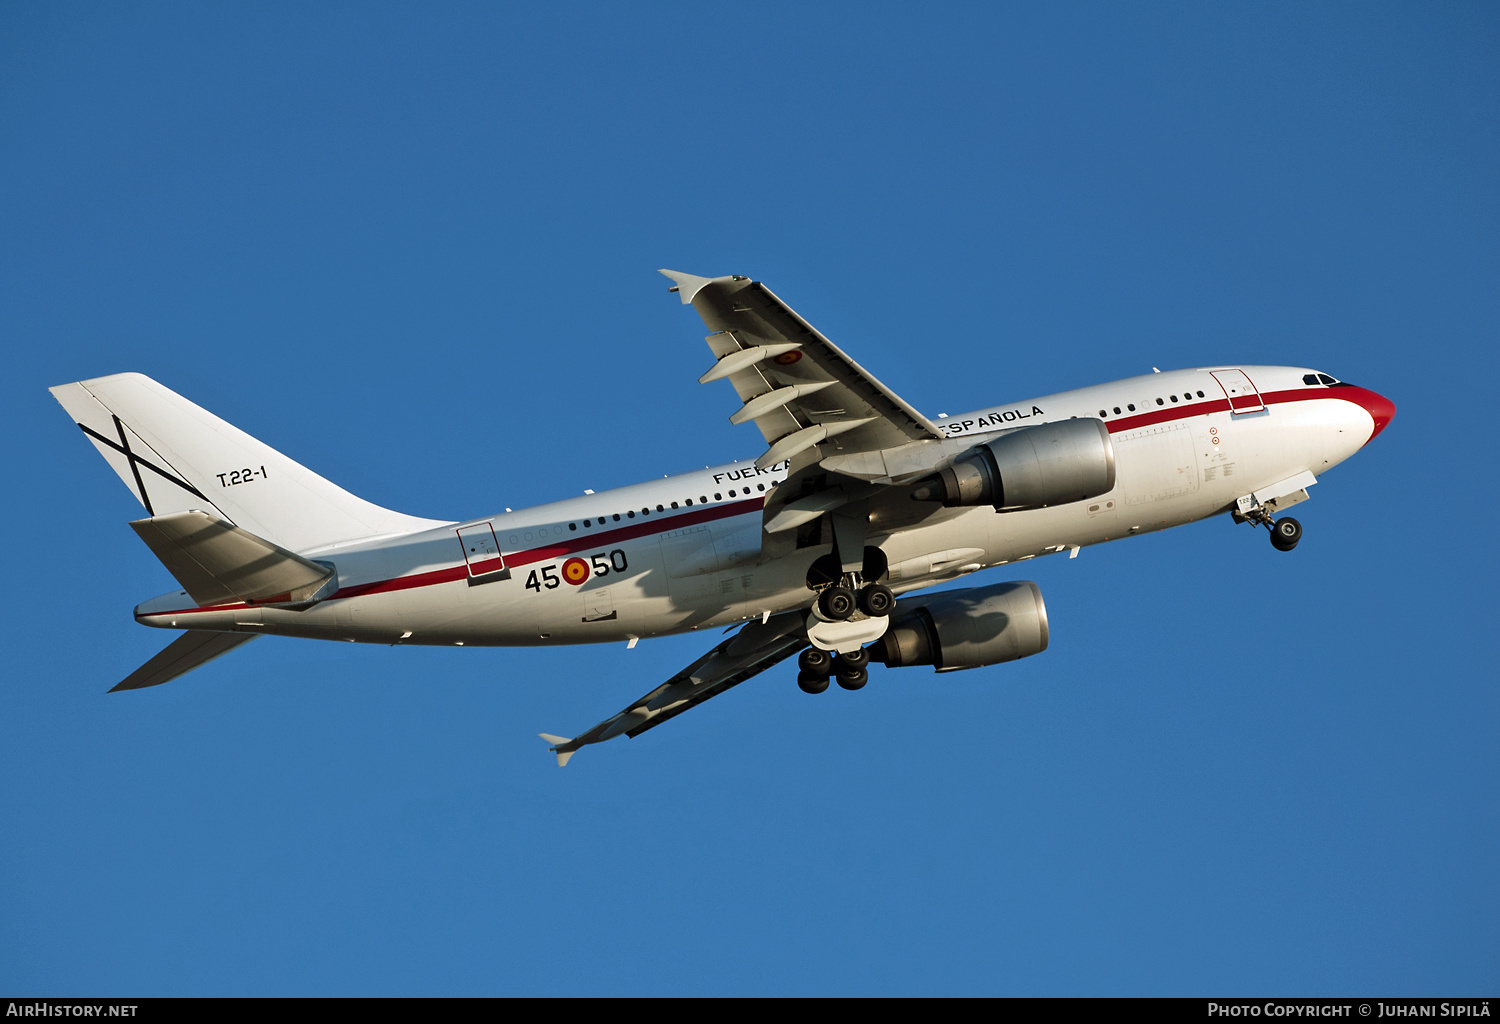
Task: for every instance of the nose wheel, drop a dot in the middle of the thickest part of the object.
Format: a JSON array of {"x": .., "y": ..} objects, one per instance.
[{"x": 1285, "y": 533}]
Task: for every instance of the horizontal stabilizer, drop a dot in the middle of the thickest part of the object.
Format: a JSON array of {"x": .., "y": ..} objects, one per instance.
[
  {"x": 689, "y": 285},
  {"x": 559, "y": 741},
  {"x": 217, "y": 562},
  {"x": 193, "y": 648}
]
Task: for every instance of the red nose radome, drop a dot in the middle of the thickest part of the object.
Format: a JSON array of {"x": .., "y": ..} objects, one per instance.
[{"x": 1381, "y": 409}]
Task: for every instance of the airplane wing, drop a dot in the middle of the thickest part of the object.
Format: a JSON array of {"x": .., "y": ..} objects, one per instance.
[
  {"x": 752, "y": 650},
  {"x": 820, "y": 411},
  {"x": 799, "y": 388}
]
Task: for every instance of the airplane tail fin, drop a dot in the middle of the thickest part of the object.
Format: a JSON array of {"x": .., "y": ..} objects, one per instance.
[{"x": 177, "y": 457}]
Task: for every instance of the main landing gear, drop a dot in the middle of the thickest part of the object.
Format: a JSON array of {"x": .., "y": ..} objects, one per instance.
[
  {"x": 837, "y": 604},
  {"x": 851, "y": 610},
  {"x": 849, "y": 668}
]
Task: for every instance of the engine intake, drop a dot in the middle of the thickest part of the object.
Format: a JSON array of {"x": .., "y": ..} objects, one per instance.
[
  {"x": 965, "y": 628},
  {"x": 1048, "y": 464}
]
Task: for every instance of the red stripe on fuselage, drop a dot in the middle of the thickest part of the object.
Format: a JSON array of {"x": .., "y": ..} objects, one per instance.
[{"x": 1203, "y": 407}]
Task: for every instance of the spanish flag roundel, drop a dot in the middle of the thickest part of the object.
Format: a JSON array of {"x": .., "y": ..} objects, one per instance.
[{"x": 575, "y": 571}]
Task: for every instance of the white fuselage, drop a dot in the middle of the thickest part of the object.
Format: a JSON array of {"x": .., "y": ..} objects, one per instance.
[{"x": 684, "y": 552}]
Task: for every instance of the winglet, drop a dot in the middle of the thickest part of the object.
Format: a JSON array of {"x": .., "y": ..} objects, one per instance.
[
  {"x": 687, "y": 285},
  {"x": 558, "y": 741}
]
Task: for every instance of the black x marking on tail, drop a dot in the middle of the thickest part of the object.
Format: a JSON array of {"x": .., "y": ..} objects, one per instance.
[{"x": 136, "y": 462}]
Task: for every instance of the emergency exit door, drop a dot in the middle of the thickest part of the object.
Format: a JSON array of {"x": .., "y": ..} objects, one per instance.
[{"x": 1240, "y": 390}]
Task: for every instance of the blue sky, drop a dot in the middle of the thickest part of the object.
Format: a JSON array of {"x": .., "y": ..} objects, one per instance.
[{"x": 415, "y": 250}]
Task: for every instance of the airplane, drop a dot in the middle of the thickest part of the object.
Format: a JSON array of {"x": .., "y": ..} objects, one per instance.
[{"x": 819, "y": 547}]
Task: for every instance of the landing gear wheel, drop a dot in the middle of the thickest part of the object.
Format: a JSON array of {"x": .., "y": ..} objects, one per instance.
[
  {"x": 850, "y": 668},
  {"x": 857, "y": 658},
  {"x": 836, "y": 603},
  {"x": 876, "y": 600},
  {"x": 1285, "y": 533},
  {"x": 852, "y": 678},
  {"x": 815, "y": 661},
  {"x": 811, "y": 682}
]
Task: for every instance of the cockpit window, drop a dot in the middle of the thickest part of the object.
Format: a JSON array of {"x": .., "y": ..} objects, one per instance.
[
  {"x": 1325, "y": 379},
  {"x": 1310, "y": 378}
]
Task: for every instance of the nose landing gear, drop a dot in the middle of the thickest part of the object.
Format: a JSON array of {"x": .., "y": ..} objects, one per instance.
[{"x": 1285, "y": 532}]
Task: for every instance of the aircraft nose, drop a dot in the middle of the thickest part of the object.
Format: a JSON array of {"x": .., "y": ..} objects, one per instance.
[{"x": 1381, "y": 409}]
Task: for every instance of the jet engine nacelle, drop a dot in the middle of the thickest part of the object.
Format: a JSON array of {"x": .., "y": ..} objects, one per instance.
[
  {"x": 1048, "y": 464},
  {"x": 965, "y": 628}
]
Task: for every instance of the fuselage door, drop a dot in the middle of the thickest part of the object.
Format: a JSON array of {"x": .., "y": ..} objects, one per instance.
[
  {"x": 481, "y": 549},
  {"x": 1241, "y": 392}
]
